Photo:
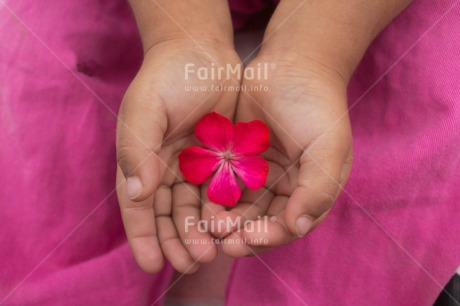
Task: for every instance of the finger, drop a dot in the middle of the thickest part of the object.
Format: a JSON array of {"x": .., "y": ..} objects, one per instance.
[
  {"x": 346, "y": 169},
  {"x": 268, "y": 232},
  {"x": 139, "y": 222},
  {"x": 317, "y": 190},
  {"x": 275, "y": 233},
  {"x": 345, "y": 174},
  {"x": 319, "y": 220},
  {"x": 277, "y": 205},
  {"x": 170, "y": 243},
  {"x": 186, "y": 215},
  {"x": 140, "y": 131},
  {"x": 209, "y": 211},
  {"x": 239, "y": 244},
  {"x": 253, "y": 205},
  {"x": 261, "y": 235},
  {"x": 235, "y": 246}
]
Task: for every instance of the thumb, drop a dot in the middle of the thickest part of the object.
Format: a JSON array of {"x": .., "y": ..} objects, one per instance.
[
  {"x": 140, "y": 130},
  {"x": 321, "y": 176}
]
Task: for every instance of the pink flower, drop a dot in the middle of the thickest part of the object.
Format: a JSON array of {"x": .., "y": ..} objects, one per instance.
[{"x": 232, "y": 151}]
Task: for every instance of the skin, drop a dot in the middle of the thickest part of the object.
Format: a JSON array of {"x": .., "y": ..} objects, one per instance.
[
  {"x": 315, "y": 49},
  {"x": 156, "y": 122}
]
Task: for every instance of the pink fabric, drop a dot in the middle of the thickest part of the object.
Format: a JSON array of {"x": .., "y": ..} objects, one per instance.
[
  {"x": 243, "y": 10},
  {"x": 62, "y": 240},
  {"x": 57, "y": 155}
]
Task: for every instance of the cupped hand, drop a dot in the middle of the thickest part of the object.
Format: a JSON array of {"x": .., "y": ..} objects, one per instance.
[
  {"x": 305, "y": 107},
  {"x": 156, "y": 121}
]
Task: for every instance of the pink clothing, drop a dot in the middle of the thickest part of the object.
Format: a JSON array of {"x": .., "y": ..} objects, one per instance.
[
  {"x": 62, "y": 239},
  {"x": 242, "y": 10}
]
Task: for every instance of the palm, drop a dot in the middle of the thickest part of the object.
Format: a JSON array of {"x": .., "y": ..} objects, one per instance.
[{"x": 187, "y": 100}]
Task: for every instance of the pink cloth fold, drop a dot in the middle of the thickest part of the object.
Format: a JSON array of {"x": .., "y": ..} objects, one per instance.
[{"x": 62, "y": 240}]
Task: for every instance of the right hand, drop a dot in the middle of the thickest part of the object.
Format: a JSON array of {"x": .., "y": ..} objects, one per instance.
[{"x": 156, "y": 122}]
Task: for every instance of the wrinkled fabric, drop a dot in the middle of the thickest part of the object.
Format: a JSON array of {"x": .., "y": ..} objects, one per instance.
[
  {"x": 391, "y": 239},
  {"x": 62, "y": 240}
]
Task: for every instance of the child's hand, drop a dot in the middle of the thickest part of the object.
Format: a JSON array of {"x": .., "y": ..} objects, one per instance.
[
  {"x": 156, "y": 122},
  {"x": 305, "y": 109},
  {"x": 316, "y": 46},
  {"x": 310, "y": 155}
]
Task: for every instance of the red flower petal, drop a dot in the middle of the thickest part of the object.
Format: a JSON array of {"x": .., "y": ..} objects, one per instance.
[
  {"x": 251, "y": 138},
  {"x": 215, "y": 131},
  {"x": 197, "y": 164},
  {"x": 224, "y": 188},
  {"x": 252, "y": 170}
]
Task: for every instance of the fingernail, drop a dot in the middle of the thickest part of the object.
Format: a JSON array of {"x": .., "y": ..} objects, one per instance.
[
  {"x": 134, "y": 187},
  {"x": 303, "y": 224}
]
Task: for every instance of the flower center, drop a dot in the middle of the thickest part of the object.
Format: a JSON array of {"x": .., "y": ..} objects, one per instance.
[{"x": 227, "y": 156}]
